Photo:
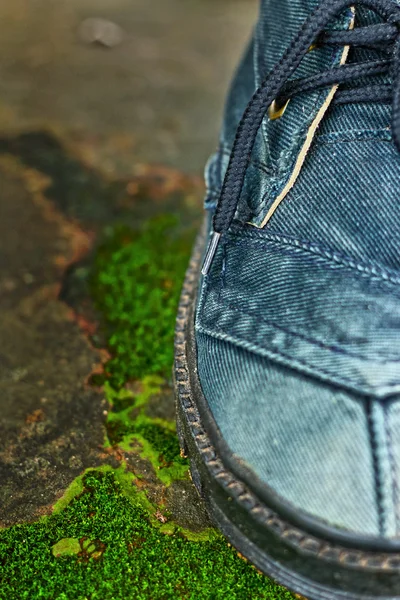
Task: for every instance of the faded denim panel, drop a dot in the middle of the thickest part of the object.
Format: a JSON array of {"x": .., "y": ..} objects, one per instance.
[
  {"x": 309, "y": 442},
  {"x": 306, "y": 307},
  {"x": 390, "y": 450}
]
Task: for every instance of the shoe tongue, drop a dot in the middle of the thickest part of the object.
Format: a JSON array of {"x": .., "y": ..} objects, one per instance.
[
  {"x": 283, "y": 139},
  {"x": 283, "y": 144},
  {"x": 280, "y": 21},
  {"x": 346, "y": 196}
]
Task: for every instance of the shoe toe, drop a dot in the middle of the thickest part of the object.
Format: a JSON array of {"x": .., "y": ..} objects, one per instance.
[{"x": 325, "y": 451}]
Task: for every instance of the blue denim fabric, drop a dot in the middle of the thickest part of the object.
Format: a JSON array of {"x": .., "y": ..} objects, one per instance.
[
  {"x": 277, "y": 146},
  {"x": 309, "y": 441},
  {"x": 298, "y": 323}
]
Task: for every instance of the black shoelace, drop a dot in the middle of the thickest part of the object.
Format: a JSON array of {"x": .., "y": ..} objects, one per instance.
[{"x": 384, "y": 37}]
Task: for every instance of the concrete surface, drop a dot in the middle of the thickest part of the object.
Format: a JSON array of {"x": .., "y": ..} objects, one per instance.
[
  {"x": 80, "y": 126},
  {"x": 158, "y": 95}
]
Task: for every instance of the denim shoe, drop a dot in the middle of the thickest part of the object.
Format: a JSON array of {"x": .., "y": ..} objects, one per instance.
[{"x": 288, "y": 342}]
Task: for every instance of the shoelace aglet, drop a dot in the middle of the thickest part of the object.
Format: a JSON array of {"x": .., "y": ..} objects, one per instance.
[{"x": 211, "y": 250}]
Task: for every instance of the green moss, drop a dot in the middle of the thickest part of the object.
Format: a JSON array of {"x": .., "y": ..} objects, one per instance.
[
  {"x": 123, "y": 555},
  {"x": 66, "y": 547},
  {"x": 74, "y": 489},
  {"x": 160, "y": 447},
  {"x": 129, "y": 427},
  {"x": 105, "y": 539},
  {"x": 163, "y": 441},
  {"x": 136, "y": 284}
]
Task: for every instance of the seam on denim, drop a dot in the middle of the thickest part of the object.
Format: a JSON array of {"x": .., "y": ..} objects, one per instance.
[
  {"x": 298, "y": 364},
  {"x": 371, "y": 140},
  {"x": 354, "y": 135},
  {"x": 239, "y": 231},
  {"x": 348, "y": 136},
  {"x": 256, "y": 163},
  {"x": 378, "y": 357},
  {"x": 377, "y": 136},
  {"x": 275, "y": 174},
  {"x": 395, "y": 487},
  {"x": 222, "y": 274},
  {"x": 369, "y": 270},
  {"x": 360, "y": 135},
  {"x": 376, "y": 465}
]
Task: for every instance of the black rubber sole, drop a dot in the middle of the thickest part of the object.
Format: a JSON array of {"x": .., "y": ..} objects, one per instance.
[{"x": 314, "y": 566}]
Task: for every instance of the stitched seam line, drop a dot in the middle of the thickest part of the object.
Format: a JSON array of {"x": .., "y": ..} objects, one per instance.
[
  {"x": 256, "y": 348},
  {"x": 376, "y": 466},
  {"x": 259, "y": 164},
  {"x": 369, "y": 271},
  {"x": 378, "y": 357},
  {"x": 350, "y": 136},
  {"x": 395, "y": 487},
  {"x": 360, "y": 135},
  {"x": 353, "y": 137},
  {"x": 219, "y": 333}
]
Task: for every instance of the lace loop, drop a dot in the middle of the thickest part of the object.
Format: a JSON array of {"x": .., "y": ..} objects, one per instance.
[{"x": 384, "y": 36}]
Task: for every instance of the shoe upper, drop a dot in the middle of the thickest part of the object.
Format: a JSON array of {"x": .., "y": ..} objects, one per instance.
[{"x": 298, "y": 319}]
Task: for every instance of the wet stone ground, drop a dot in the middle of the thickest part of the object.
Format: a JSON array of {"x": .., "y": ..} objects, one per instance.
[{"x": 102, "y": 146}]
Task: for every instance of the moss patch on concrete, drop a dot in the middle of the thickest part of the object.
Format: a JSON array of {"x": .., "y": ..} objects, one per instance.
[
  {"x": 117, "y": 533},
  {"x": 122, "y": 553},
  {"x": 66, "y": 547},
  {"x": 136, "y": 285},
  {"x": 129, "y": 427}
]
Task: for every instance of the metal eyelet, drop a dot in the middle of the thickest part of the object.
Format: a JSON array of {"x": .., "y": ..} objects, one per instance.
[{"x": 275, "y": 111}]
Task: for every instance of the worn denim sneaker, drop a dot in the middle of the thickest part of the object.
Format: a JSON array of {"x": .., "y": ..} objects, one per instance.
[{"x": 288, "y": 343}]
